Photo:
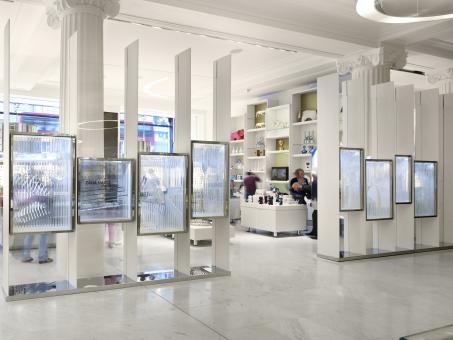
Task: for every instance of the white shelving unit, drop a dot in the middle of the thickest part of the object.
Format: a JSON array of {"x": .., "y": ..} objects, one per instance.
[{"x": 237, "y": 152}]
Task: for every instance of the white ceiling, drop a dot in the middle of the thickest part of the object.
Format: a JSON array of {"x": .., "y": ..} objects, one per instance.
[{"x": 320, "y": 32}]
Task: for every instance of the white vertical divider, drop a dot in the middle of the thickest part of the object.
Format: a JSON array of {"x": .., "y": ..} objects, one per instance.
[
  {"x": 357, "y": 231},
  {"x": 183, "y": 112},
  {"x": 448, "y": 167},
  {"x": 6, "y": 202},
  {"x": 405, "y": 136},
  {"x": 131, "y": 54},
  {"x": 328, "y": 166},
  {"x": 222, "y": 121},
  {"x": 428, "y": 138},
  {"x": 384, "y": 130}
]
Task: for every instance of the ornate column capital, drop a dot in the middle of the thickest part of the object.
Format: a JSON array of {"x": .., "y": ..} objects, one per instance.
[
  {"x": 389, "y": 55},
  {"x": 57, "y": 9},
  {"x": 440, "y": 74}
]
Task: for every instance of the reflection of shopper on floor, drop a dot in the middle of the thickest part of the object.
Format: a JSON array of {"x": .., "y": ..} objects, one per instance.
[{"x": 43, "y": 256}]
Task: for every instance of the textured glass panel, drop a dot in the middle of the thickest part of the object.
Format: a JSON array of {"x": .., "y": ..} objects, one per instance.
[
  {"x": 379, "y": 192},
  {"x": 403, "y": 179},
  {"x": 209, "y": 186},
  {"x": 351, "y": 179},
  {"x": 163, "y": 193},
  {"x": 105, "y": 190},
  {"x": 425, "y": 189},
  {"x": 42, "y": 170}
]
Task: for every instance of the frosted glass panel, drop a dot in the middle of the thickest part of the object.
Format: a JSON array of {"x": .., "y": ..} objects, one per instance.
[
  {"x": 379, "y": 191},
  {"x": 209, "y": 179},
  {"x": 105, "y": 190},
  {"x": 163, "y": 193},
  {"x": 42, "y": 190},
  {"x": 425, "y": 189},
  {"x": 403, "y": 179},
  {"x": 351, "y": 179}
]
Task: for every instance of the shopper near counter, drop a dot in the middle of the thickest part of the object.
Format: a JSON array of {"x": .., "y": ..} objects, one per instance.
[
  {"x": 250, "y": 184},
  {"x": 299, "y": 186}
]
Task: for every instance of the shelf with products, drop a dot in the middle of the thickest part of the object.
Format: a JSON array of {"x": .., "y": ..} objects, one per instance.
[
  {"x": 310, "y": 122},
  {"x": 256, "y": 130},
  {"x": 278, "y": 151},
  {"x": 237, "y": 155},
  {"x": 238, "y": 141},
  {"x": 302, "y": 155},
  {"x": 256, "y": 157}
]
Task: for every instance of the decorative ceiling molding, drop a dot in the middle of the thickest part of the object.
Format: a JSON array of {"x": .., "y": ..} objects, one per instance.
[
  {"x": 440, "y": 74},
  {"x": 391, "y": 55}
]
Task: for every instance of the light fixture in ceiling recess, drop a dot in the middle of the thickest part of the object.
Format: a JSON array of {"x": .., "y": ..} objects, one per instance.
[{"x": 405, "y": 11}]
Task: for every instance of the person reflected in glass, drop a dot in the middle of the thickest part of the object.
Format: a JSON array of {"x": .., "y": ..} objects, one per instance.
[
  {"x": 299, "y": 186},
  {"x": 43, "y": 254}
]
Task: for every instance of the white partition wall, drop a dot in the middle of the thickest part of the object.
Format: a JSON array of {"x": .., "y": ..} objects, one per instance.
[
  {"x": 182, "y": 143},
  {"x": 130, "y": 149},
  {"x": 357, "y": 232},
  {"x": 222, "y": 118},
  {"x": 405, "y": 136},
  {"x": 328, "y": 171},
  {"x": 6, "y": 203},
  {"x": 447, "y": 101},
  {"x": 429, "y": 147}
]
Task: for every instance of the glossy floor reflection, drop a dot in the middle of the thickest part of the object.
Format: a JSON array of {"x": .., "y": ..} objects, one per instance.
[{"x": 278, "y": 290}]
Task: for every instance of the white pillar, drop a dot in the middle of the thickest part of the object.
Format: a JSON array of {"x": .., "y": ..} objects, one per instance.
[
  {"x": 443, "y": 78},
  {"x": 222, "y": 119},
  {"x": 85, "y": 18}
]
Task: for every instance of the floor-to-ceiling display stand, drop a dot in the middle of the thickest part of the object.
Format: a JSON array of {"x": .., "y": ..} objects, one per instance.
[
  {"x": 222, "y": 118},
  {"x": 6, "y": 203},
  {"x": 131, "y": 54}
]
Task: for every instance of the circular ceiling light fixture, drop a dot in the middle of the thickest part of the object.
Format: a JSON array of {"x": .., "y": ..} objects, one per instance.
[{"x": 405, "y": 11}]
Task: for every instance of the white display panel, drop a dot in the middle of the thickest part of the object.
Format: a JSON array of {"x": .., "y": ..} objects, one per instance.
[
  {"x": 351, "y": 179},
  {"x": 403, "y": 179},
  {"x": 379, "y": 189},
  {"x": 105, "y": 190},
  {"x": 163, "y": 193},
  {"x": 42, "y": 183},
  {"x": 425, "y": 176},
  {"x": 210, "y": 186}
]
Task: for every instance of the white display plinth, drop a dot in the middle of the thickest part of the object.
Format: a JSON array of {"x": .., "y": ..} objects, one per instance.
[{"x": 274, "y": 218}]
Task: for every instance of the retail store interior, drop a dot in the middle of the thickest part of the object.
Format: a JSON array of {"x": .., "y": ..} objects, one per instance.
[{"x": 160, "y": 162}]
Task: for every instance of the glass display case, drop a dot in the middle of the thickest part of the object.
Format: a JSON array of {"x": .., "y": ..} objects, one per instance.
[
  {"x": 379, "y": 189},
  {"x": 351, "y": 179},
  {"x": 42, "y": 173},
  {"x": 105, "y": 190},
  {"x": 425, "y": 178},
  {"x": 210, "y": 188},
  {"x": 163, "y": 193},
  {"x": 403, "y": 179}
]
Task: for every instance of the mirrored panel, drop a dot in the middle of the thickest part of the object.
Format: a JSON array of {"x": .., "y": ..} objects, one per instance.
[
  {"x": 105, "y": 190},
  {"x": 210, "y": 189},
  {"x": 379, "y": 189},
  {"x": 425, "y": 174},
  {"x": 42, "y": 183},
  {"x": 351, "y": 179},
  {"x": 163, "y": 194},
  {"x": 403, "y": 179}
]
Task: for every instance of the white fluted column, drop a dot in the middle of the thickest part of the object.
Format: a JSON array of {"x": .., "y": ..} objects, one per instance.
[
  {"x": 82, "y": 113},
  {"x": 442, "y": 78}
]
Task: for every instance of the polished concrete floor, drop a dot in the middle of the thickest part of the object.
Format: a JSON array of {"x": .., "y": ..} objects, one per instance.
[{"x": 278, "y": 290}]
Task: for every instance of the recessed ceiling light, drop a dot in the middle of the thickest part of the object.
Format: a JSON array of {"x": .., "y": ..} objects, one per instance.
[
  {"x": 401, "y": 12},
  {"x": 236, "y": 51}
]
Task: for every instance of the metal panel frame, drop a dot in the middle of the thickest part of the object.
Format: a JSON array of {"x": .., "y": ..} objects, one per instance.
[
  {"x": 362, "y": 176},
  {"x": 411, "y": 176},
  {"x": 133, "y": 192},
  {"x": 391, "y": 189},
  {"x": 74, "y": 179},
  {"x": 186, "y": 199},
  {"x": 226, "y": 183},
  {"x": 436, "y": 176}
]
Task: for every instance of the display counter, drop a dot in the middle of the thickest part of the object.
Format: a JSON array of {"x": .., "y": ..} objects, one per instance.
[{"x": 274, "y": 218}]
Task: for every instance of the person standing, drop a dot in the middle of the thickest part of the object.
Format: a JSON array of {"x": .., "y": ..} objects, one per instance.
[
  {"x": 43, "y": 255},
  {"x": 250, "y": 184},
  {"x": 299, "y": 187}
]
